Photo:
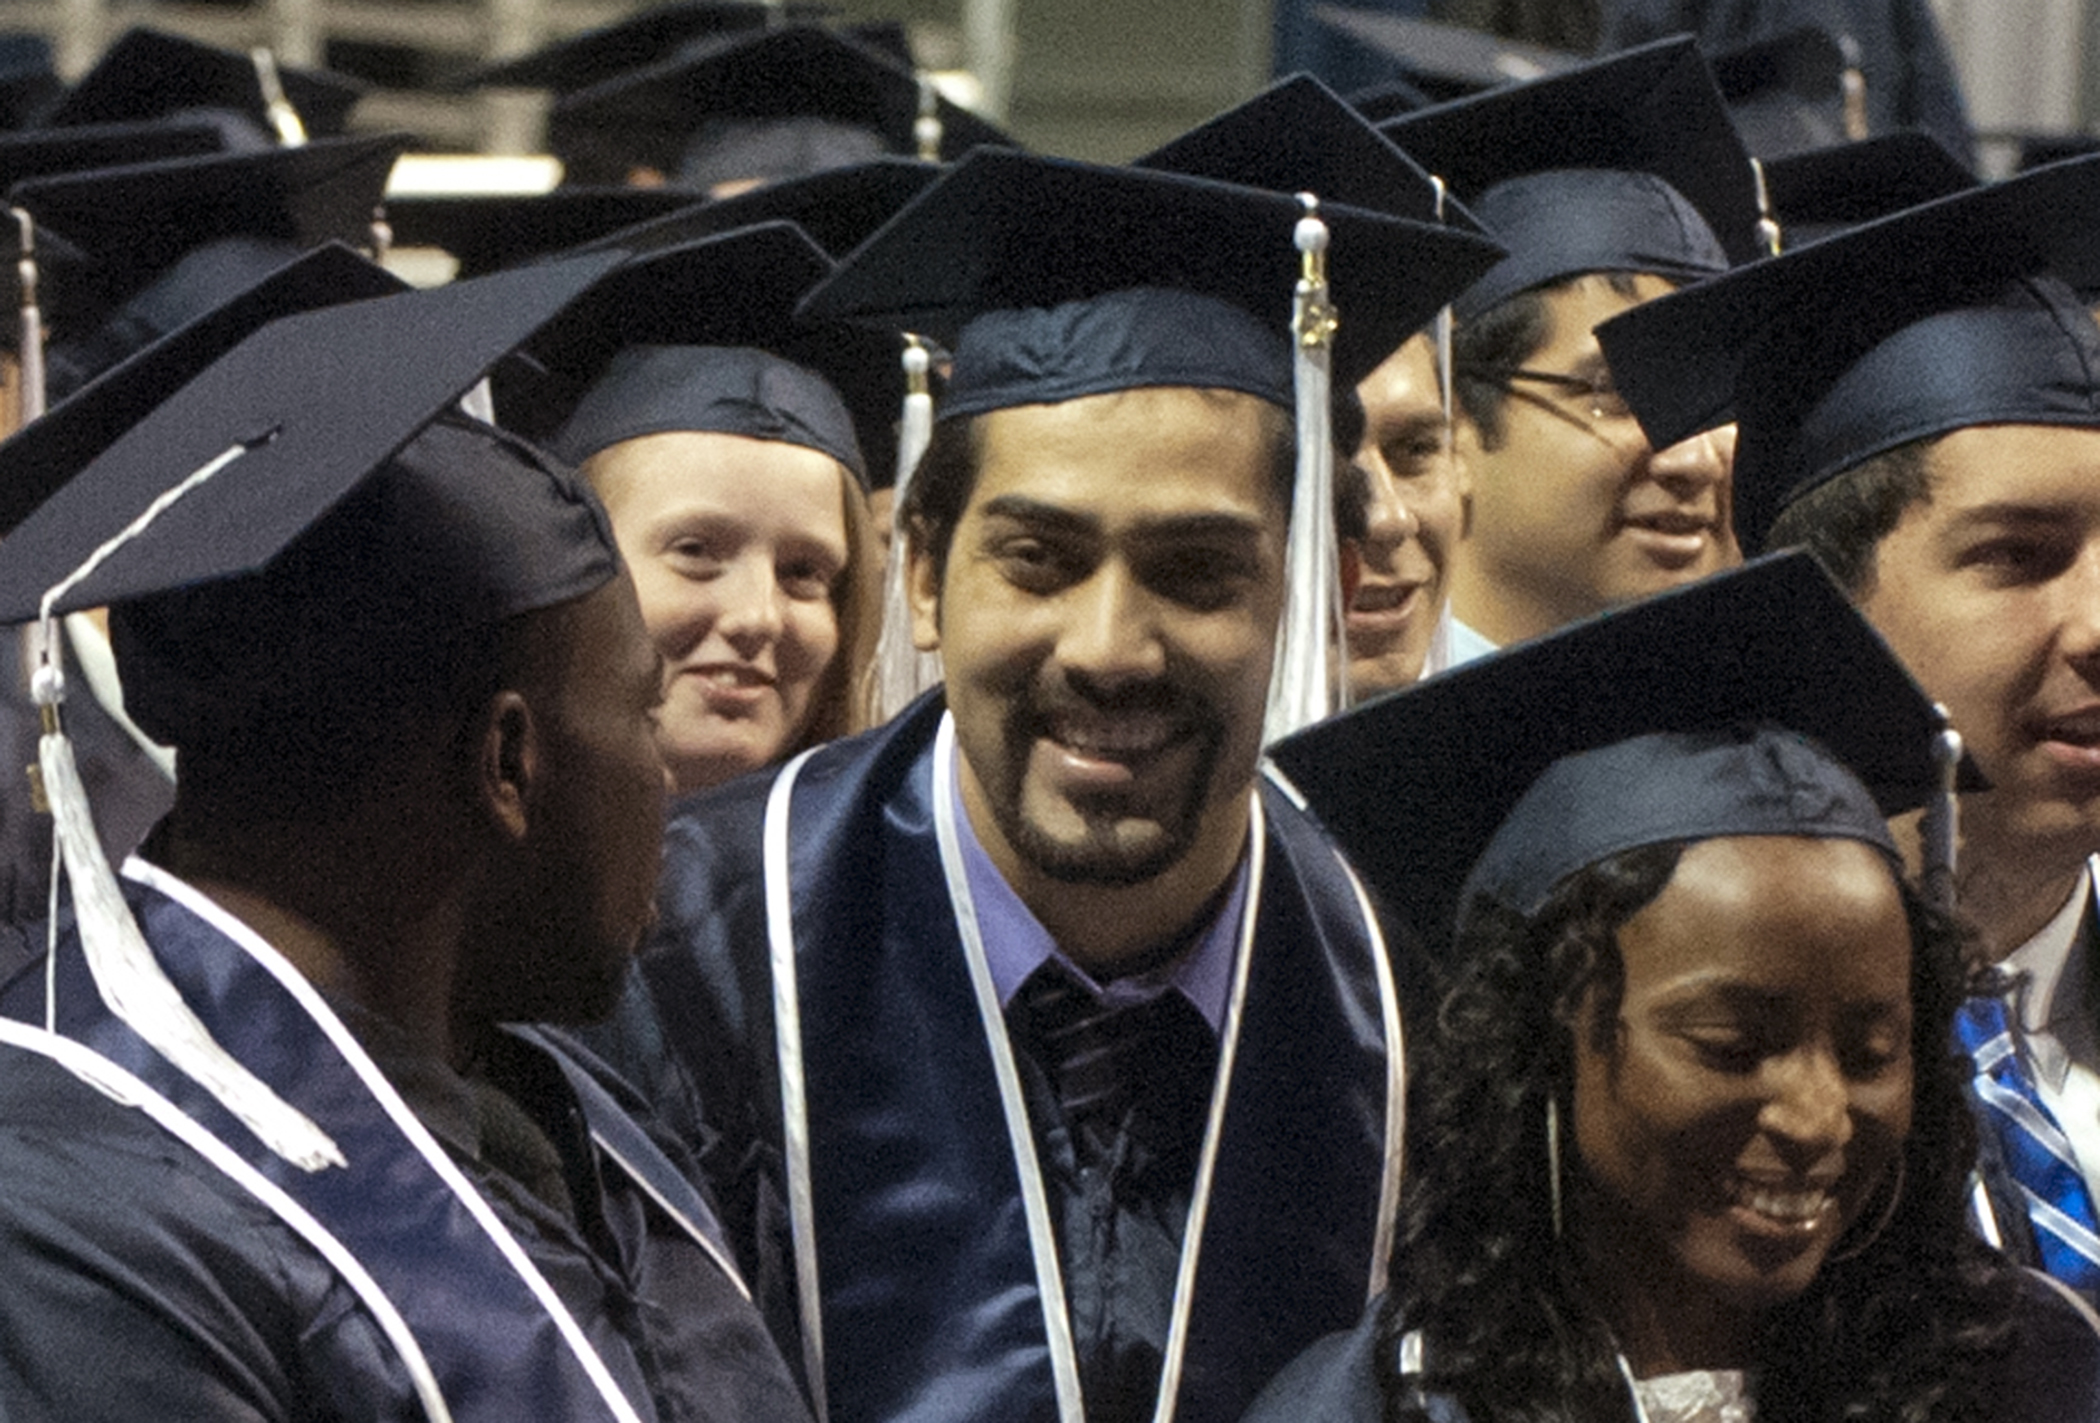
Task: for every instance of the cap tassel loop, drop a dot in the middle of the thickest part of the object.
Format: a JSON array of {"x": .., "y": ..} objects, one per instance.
[
  {"x": 381, "y": 233},
  {"x": 926, "y": 130},
  {"x": 291, "y": 131},
  {"x": 30, "y": 378},
  {"x": 1769, "y": 235},
  {"x": 1445, "y": 322},
  {"x": 1939, "y": 831},
  {"x": 1852, "y": 84},
  {"x": 902, "y": 671},
  {"x": 127, "y": 975},
  {"x": 1307, "y": 683}
]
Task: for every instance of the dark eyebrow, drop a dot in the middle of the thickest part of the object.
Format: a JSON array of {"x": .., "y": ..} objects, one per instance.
[
  {"x": 2006, "y": 512},
  {"x": 1021, "y": 509}
]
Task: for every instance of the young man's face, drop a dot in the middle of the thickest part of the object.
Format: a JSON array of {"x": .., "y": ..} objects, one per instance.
[
  {"x": 1572, "y": 511},
  {"x": 1989, "y": 590},
  {"x": 1416, "y": 512},
  {"x": 1107, "y": 619}
]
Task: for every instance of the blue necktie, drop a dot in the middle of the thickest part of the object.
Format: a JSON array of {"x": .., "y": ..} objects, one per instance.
[{"x": 2036, "y": 1151}]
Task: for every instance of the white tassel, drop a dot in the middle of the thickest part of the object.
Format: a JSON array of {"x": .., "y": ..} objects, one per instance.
[
  {"x": 1769, "y": 236},
  {"x": 902, "y": 671},
  {"x": 1443, "y": 329},
  {"x": 1939, "y": 831},
  {"x": 131, "y": 980},
  {"x": 126, "y": 974},
  {"x": 291, "y": 133},
  {"x": 29, "y": 380},
  {"x": 1306, "y": 684},
  {"x": 926, "y": 131}
]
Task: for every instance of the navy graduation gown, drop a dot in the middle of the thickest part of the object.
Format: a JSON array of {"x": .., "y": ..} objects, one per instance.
[
  {"x": 227, "y": 1301},
  {"x": 930, "y": 1308}
]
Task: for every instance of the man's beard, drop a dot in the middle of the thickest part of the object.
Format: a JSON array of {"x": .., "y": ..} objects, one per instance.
[{"x": 1098, "y": 857}]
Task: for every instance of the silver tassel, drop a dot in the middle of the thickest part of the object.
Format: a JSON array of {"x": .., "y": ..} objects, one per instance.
[{"x": 1306, "y": 684}]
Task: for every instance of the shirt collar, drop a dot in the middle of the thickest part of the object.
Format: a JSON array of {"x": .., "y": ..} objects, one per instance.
[{"x": 1016, "y": 944}]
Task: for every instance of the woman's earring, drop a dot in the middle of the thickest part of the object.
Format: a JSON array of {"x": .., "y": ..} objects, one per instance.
[
  {"x": 1853, "y": 1250},
  {"x": 1553, "y": 1161}
]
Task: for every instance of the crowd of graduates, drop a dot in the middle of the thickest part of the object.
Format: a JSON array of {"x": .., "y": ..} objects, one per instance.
[{"x": 862, "y": 775}]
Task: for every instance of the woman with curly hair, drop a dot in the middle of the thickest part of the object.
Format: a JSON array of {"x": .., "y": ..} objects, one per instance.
[{"x": 1688, "y": 1140}]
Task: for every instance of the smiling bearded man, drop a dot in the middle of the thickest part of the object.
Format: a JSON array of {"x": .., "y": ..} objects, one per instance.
[{"x": 1000, "y": 1016}]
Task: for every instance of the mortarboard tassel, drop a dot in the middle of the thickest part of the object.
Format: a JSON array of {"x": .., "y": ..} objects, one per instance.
[
  {"x": 1852, "y": 83},
  {"x": 901, "y": 670},
  {"x": 30, "y": 378},
  {"x": 291, "y": 132},
  {"x": 1306, "y": 684},
  {"x": 128, "y": 976},
  {"x": 1769, "y": 235},
  {"x": 1939, "y": 831},
  {"x": 1443, "y": 330},
  {"x": 926, "y": 131}
]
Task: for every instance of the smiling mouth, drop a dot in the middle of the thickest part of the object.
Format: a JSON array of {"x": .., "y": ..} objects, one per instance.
[
  {"x": 1383, "y": 597},
  {"x": 1672, "y": 524},
  {"x": 1127, "y": 737},
  {"x": 1796, "y": 1211},
  {"x": 731, "y": 678}
]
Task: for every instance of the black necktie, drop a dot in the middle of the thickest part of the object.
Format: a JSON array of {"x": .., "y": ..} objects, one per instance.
[{"x": 1133, "y": 1078}]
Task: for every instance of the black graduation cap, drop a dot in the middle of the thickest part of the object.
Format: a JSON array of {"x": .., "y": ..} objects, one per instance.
[
  {"x": 33, "y": 153},
  {"x": 817, "y": 97},
  {"x": 105, "y": 235},
  {"x": 1389, "y": 100},
  {"x": 1414, "y": 785},
  {"x": 1446, "y": 61},
  {"x": 1625, "y": 164},
  {"x": 489, "y": 231},
  {"x": 1951, "y": 314},
  {"x": 317, "y": 401},
  {"x": 1823, "y": 192},
  {"x": 704, "y": 337},
  {"x": 1051, "y": 279},
  {"x": 1298, "y": 136},
  {"x": 150, "y": 74},
  {"x": 837, "y": 208},
  {"x": 1787, "y": 92},
  {"x": 580, "y": 60},
  {"x": 42, "y": 455}
]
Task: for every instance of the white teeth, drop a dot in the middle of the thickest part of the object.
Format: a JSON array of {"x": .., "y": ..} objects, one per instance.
[
  {"x": 1122, "y": 736},
  {"x": 1796, "y": 1208}
]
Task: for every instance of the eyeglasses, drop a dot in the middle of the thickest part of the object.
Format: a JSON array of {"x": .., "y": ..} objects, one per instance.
[{"x": 1603, "y": 399}]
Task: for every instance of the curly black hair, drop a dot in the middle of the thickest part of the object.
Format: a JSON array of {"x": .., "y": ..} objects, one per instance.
[{"x": 1915, "y": 1325}]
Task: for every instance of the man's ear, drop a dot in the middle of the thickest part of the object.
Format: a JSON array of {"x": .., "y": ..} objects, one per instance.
[
  {"x": 923, "y": 585},
  {"x": 507, "y": 763}
]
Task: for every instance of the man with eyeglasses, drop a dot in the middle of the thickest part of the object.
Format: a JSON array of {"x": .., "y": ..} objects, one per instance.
[{"x": 1610, "y": 185}]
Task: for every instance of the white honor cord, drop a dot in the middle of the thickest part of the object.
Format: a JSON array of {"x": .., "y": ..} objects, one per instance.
[
  {"x": 794, "y": 1095},
  {"x": 1395, "y": 1055},
  {"x": 1395, "y": 1091},
  {"x": 405, "y": 1120},
  {"x": 121, "y": 1087},
  {"x": 1042, "y": 1238}
]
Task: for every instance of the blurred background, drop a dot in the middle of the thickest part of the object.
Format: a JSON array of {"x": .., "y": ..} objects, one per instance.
[{"x": 1098, "y": 79}]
